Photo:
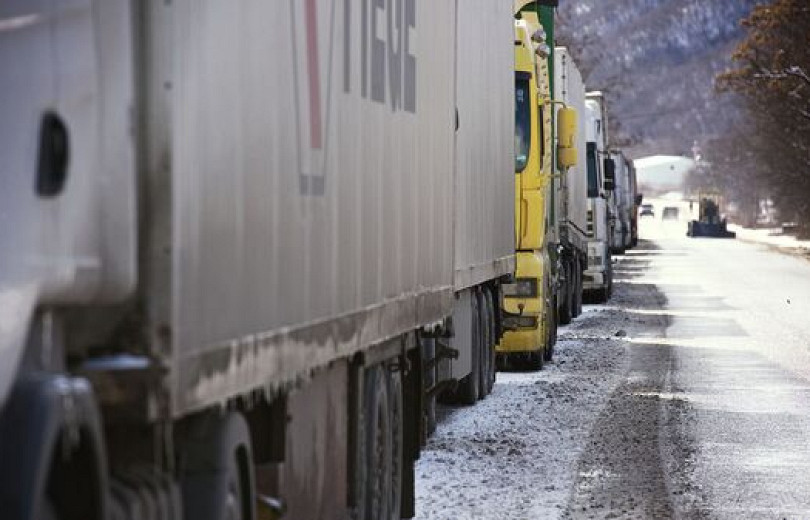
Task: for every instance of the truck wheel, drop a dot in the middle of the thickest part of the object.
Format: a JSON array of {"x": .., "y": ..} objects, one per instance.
[
  {"x": 567, "y": 295},
  {"x": 397, "y": 422},
  {"x": 378, "y": 449},
  {"x": 431, "y": 376},
  {"x": 64, "y": 494},
  {"x": 576, "y": 292},
  {"x": 574, "y": 288},
  {"x": 554, "y": 321},
  {"x": 48, "y": 512},
  {"x": 486, "y": 350},
  {"x": 501, "y": 362},
  {"x": 467, "y": 391},
  {"x": 482, "y": 341},
  {"x": 52, "y": 454},
  {"x": 548, "y": 353},
  {"x": 144, "y": 491},
  {"x": 536, "y": 359},
  {"x": 493, "y": 341},
  {"x": 578, "y": 289},
  {"x": 601, "y": 295},
  {"x": 217, "y": 481},
  {"x": 495, "y": 335}
]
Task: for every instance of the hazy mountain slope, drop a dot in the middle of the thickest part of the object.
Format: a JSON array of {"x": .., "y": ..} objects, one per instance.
[{"x": 657, "y": 60}]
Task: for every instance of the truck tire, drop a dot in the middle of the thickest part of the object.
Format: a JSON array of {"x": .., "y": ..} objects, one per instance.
[
  {"x": 576, "y": 292},
  {"x": 495, "y": 335},
  {"x": 431, "y": 376},
  {"x": 556, "y": 321},
  {"x": 144, "y": 492},
  {"x": 467, "y": 391},
  {"x": 377, "y": 448},
  {"x": 601, "y": 295},
  {"x": 48, "y": 512},
  {"x": 217, "y": 481},
  {"x": 482, "y": 341},
  {"x": 578, "y": 289},
  {"x": 53, "y": 455},
  {"x": 536, "y": 359},
  {"x": 548, "y": 352},
  {"x": 487, "y": 350},
  {"x": 397, "y": 422},
  {"x": 566, "y": 304}
]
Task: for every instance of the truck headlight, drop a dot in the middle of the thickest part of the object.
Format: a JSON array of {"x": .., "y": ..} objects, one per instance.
[{"x": 522, "y": 288}]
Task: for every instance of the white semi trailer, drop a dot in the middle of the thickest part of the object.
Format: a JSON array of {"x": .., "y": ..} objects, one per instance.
[
  {"x": 228, "y": 260},
  {"x": 598, "y": 277},
  {"x": 570, "y": 231},
  {"x": 484, "y": 233}
]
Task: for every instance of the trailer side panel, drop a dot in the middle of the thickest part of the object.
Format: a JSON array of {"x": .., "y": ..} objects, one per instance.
[{"x": 309, "y": 151}]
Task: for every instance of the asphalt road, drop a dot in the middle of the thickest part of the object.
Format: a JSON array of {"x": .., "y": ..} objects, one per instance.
[
  {"x": 737, "y": 342},
  {"x": 686, "y": 396}
]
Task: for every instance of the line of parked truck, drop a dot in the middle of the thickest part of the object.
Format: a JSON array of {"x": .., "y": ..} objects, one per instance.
[
  {"x": 246, "y": 246},
  {"x": 576, "y": 198}
]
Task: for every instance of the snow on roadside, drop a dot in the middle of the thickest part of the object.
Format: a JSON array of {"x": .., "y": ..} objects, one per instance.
[
  {"x": 514, "y": 455},
  {"x": 772, "y": 237}
]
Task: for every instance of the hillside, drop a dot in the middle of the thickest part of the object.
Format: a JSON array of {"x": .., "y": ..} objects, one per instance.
[{"x": 657, "y": 60}]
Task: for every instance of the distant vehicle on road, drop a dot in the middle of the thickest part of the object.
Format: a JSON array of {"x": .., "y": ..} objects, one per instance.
[
  {"x": 669, "y": 213},
  {"x": 710, "y": 222},
  {"x": 647, "y": 210}
]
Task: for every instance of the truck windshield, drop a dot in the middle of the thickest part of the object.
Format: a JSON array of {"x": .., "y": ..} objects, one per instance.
[{"x": 523, "y": 121}]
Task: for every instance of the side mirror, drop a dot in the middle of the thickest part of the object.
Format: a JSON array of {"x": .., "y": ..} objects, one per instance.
[
  {"x": 610, "y": 174},
  {"x": 566, "y": 132},
  {"x": 566, "y": 157},
  {"x": 640, "y": 197}
]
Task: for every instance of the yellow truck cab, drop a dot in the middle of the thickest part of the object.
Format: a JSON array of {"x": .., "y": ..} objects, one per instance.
[{"x": 529, "y": 319}]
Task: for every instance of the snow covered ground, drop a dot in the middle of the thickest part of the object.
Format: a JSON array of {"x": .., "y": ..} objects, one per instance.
[
  {"x": 772, "y": 237},
  {"x": 515, "y": 455}
]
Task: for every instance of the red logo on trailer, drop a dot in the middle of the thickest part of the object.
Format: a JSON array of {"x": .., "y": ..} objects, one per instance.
[
  {"x": 378, "y": 62},
  {"x": 312, "y": 32},
  {"x": 313, "y": 70}
]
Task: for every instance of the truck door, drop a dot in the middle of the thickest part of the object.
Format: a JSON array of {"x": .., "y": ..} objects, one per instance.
[{"x": 66, "y": 143}]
